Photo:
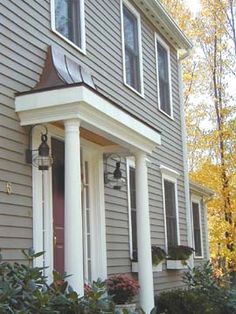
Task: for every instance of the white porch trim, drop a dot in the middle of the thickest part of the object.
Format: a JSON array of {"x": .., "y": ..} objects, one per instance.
[
  {"x": 94, "y": 111},
  {"x": 145, "y": 274},
  {"x": 73, "y": 209}
]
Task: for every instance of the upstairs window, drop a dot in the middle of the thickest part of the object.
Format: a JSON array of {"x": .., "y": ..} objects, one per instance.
[
  {"x": 163, "y": 77},
  {"x": 68, "y": 21},
  {"x": 197, "y": 234},
  {"x": 131, "y": 47}
]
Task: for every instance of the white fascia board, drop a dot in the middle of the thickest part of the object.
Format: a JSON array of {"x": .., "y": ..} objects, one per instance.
[
  {"x": 155, "y": 12},
  {"x": 200, "y": 189},
  {"x": 94, "y": 111}
]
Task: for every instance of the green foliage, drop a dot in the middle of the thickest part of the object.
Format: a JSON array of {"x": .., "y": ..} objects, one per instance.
[
  {"x": 204, "y": 294},
  {"x": 202, "y": 281},
  {"x": 24, "y": 290},
  {"x": 180, "y": 252},
  {"x": 96, "y": 299},
  {"x": 158, "y": 255},
  {"x": 182, "y": 301}
]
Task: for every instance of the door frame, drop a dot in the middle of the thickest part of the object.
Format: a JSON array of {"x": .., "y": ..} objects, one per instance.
[{"x": 98, "y": 225}]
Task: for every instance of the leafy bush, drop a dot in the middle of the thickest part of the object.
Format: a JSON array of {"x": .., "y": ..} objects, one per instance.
[
  {"x": 24, "y": 290},
  {"x": 203, "y": 295},
  {"x": 202, "y": 280},
  {"x": 183, "y": 302},
  {"x": 122, "y": 288}
]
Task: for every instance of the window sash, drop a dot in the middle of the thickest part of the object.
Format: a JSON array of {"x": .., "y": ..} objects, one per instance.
[
  {"x": 163, "y": 78},
  {"x": 68, "y": 20},
  {"x": 170, "y": 213},
  {"x": 131, "y": 49},
  {"x": 197, "y": 229}
]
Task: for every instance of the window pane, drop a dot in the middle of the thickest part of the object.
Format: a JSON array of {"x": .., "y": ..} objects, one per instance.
[
  {"x": 170, "y": 207},
  {"x": 197, "y": 230},
  {"x": 67, "y": 19},
  {"x": 131, "y": 49},
  {"x": 163, "y": 76},
  {"x": 130, "y": 29}
]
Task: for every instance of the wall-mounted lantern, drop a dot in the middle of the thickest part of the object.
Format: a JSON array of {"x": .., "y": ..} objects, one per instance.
[
  {"x": 113, "y": 179},
  {"x": 40, "y": 157}
]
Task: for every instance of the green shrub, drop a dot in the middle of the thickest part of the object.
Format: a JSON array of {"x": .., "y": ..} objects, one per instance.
[
  {"x": 183, "y": 302},
  {"x": 202, "y": 295},
  {"x": 24, "y": 290}
]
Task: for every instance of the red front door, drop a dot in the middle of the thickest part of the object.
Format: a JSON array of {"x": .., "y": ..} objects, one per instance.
[{"x": 58, "y": 203}]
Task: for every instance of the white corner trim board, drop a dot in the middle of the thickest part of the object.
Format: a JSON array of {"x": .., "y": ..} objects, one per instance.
[{"x": 94, "y": 112}]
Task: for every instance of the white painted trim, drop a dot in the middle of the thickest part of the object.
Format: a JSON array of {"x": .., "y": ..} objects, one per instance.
[
  {"x": 137, "y": 15},
  {"x": 167, "y": 48},
  {"x": 97, "y": 214},
  {"x": 81, "y": 49},
  {"x": 130, "y": 162},
  {"x": 96, "y": 114},
  {"x": 158, "y": 15},
  {"x": 197, "y": 200},
  {"x": 169, "y": 172},
  {"x": 185, "y": 165},
  {"x": 176, "y": 264},
  {"x": 42, "y": 212},
  {"x": 173, "y": 180},
  {"x": 99, "y": 266}
]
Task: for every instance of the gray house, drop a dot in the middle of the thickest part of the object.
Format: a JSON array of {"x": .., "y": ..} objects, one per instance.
[{"x": 99, "y": 83}]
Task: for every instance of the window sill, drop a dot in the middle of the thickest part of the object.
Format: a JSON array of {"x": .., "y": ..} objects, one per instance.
[
  {"x": 81, "y": 50},
  {"x": 166, "y": 114},
  {"x": 198, "y": 257},
  {"x": 156, "y": 268},
  {"x": 140, "y": 94},
  {"x": 176, "y": 264}
]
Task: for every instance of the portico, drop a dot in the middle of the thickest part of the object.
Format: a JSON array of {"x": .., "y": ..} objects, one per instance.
[{"x": 75, "y": 107}]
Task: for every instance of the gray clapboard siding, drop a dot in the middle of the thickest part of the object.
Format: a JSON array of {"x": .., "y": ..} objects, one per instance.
[{"x": 25, "y": 39}]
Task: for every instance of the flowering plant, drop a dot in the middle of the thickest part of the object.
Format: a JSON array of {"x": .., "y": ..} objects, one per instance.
[{"x": 122, "y": 288}]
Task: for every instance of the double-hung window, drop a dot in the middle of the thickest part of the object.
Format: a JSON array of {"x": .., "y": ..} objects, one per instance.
[
  {"x": 132, "y": 208},
  {"x": 170, "y": 201},
  {"x": 197, "y": 234},
  {"x": 163, "y": 77},
  {"x": 68, "y": 21},
  {"x": 132, "y": 54}
]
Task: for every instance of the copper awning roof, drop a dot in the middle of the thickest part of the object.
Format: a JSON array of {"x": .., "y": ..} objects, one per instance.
[{"x": 60, "y": 70}]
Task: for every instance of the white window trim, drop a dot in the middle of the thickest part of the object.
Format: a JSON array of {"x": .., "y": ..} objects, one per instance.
[
  {"x": 136, "y": 13},
  {"x": 173, "y": 179},
  {"x": 197, "y": 200},
  {"x": 129, "y": 163},
  {"x": 81, "y": 49},
  {"x": 165, "y": 46}
]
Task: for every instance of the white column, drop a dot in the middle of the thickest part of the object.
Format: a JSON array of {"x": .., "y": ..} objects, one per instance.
[
  {"x": 73, "y": 210},
  {"x": 144, "y": 236}
]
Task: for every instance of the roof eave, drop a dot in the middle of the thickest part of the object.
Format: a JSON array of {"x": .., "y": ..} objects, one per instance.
[
  {"x": 155, "y": 12},
  {"x": 195, "y": 187}
]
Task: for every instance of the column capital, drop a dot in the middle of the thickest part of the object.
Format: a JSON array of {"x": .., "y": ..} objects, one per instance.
[
  {"x": 72, "y": 123},
  {"x": 140, "y": 154}
]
